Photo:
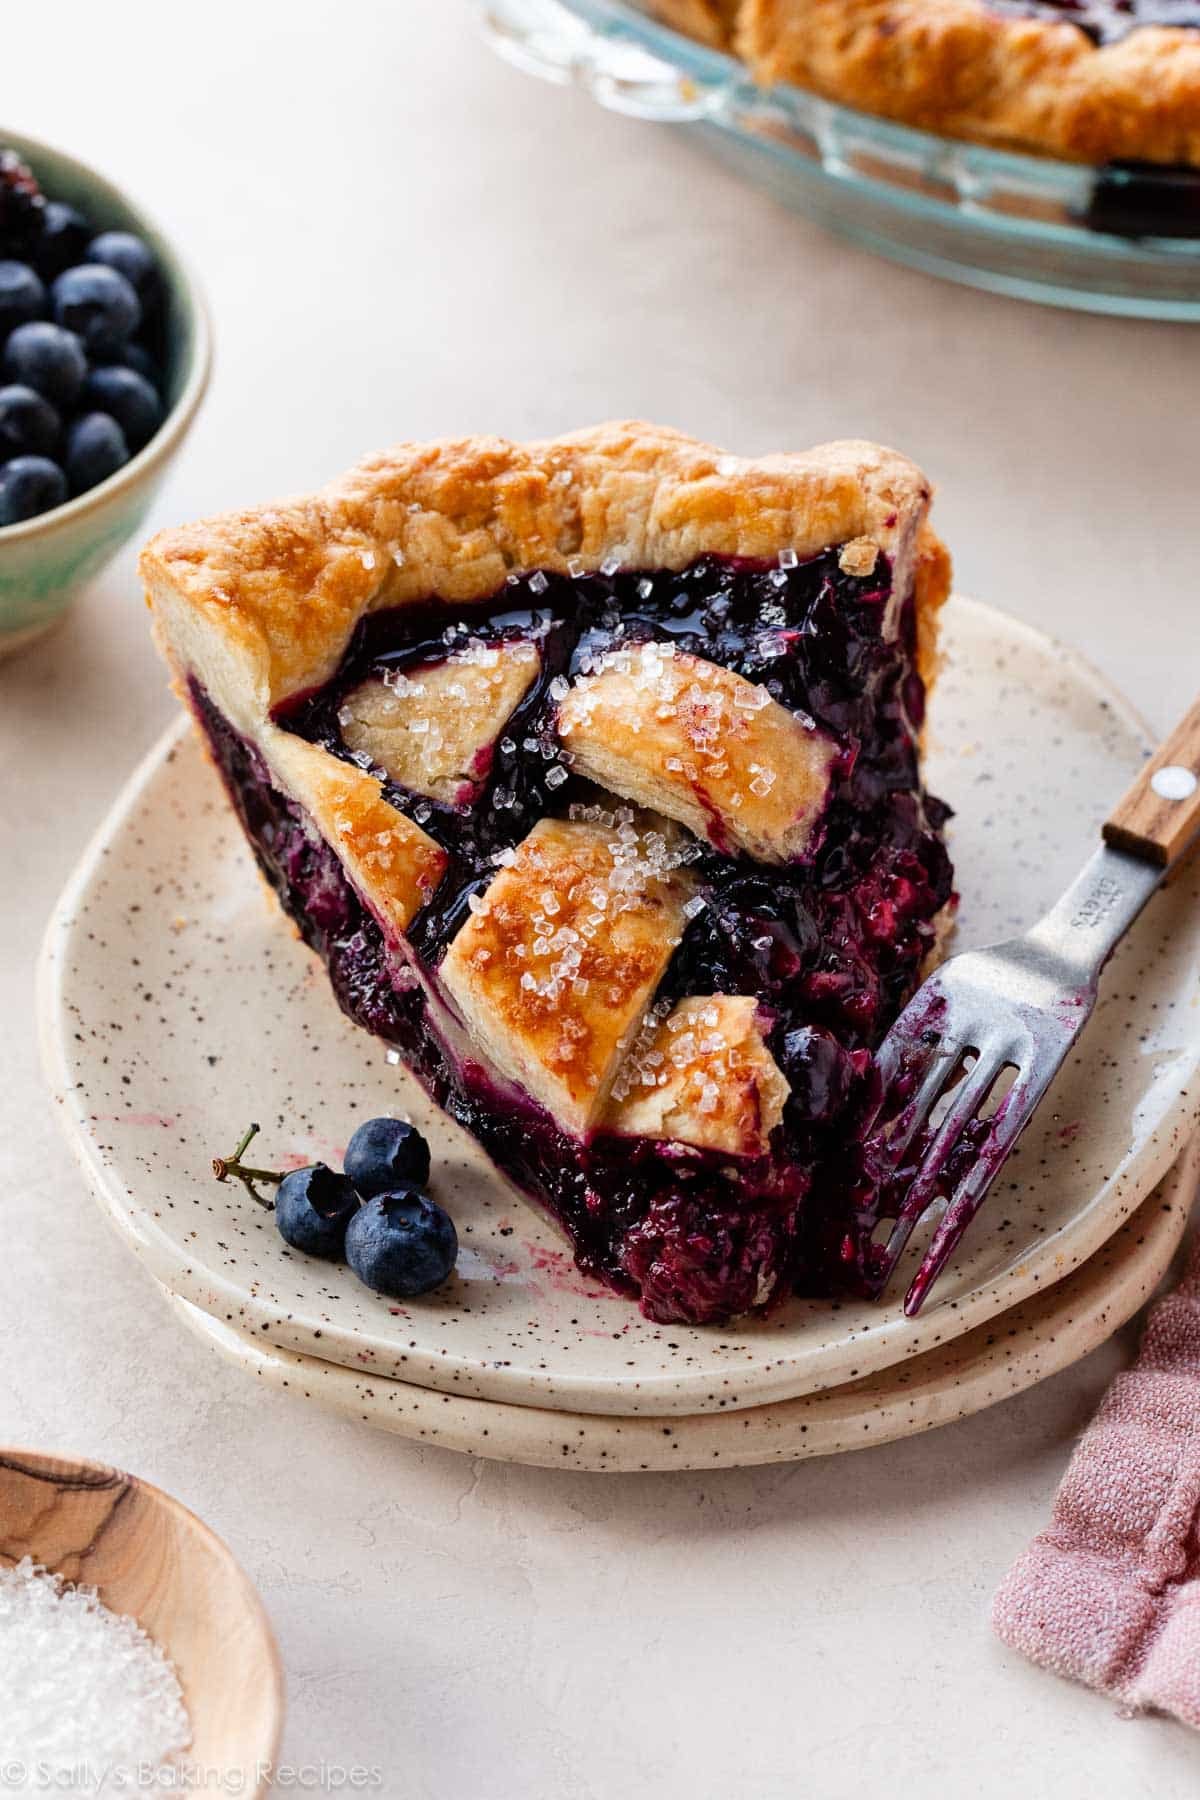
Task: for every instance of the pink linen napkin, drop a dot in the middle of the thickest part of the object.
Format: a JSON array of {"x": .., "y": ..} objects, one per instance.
[{"x": 1109, "y": 1594}]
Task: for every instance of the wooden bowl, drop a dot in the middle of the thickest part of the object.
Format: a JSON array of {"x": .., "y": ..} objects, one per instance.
[{"x": 148, "y": 1556}]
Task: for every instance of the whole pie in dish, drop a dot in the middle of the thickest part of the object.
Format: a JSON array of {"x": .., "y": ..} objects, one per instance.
[
  {"x": 590, "y": 768},
  {"x": 1089, "y": 80}
]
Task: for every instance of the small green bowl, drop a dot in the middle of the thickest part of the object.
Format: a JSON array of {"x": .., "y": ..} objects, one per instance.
[{"x": 45, "y": 561}]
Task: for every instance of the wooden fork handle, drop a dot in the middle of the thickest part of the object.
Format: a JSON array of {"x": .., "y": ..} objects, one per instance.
[{"x": 1160, "y": 814}]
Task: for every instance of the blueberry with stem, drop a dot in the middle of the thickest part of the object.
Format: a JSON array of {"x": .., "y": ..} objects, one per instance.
[
  {"x": 225, "y": 1166},
  {"x": 312, "y": 1206}
]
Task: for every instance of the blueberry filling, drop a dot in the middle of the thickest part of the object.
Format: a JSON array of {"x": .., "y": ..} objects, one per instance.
[
  {"x": 833, "y": 946},
  {"x": 1104, "y": 21}
]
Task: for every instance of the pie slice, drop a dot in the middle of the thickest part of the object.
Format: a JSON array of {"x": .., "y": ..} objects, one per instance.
[{"x": 590, "y": 768}]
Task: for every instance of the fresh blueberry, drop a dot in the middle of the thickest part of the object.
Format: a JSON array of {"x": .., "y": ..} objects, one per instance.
[
  {"x": 62, "y": 240},
  {"x": 99, "y": 305},
  {"x": 138, "y": 358},
  {"x": 128, "y": 398},
  {"x": 29, "y": 485},
  {"x": 47, "y": 358},
  {"x": 22, "y": 296},
  {"x": 130, "y": 256},
  {"x": 29, "y": 425},
  {"x": 401, "y": 1243},
  {"x": 312, "y": 1209},
  {"x": 385, "y": 1154},
  {"x": 96, "y": 449}
]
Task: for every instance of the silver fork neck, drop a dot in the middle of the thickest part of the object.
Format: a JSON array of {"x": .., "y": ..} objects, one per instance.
[{"x": 1082, "y": 929}]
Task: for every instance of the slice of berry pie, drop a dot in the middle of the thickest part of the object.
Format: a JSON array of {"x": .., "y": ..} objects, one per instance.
[{"x": 590, "y": 768}]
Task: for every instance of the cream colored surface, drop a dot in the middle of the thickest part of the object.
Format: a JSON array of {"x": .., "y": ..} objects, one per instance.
[{"x": 475, "y": 1629}]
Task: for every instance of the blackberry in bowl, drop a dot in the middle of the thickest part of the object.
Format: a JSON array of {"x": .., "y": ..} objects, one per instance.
[{"x": 104, "y": 358}]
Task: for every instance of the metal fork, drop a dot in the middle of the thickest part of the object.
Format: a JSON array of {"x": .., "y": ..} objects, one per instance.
[{"x": 1014, "y": 1008}]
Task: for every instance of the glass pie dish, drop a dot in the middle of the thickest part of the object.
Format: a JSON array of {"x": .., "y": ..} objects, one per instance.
[{"x": 1119, "y": 239}]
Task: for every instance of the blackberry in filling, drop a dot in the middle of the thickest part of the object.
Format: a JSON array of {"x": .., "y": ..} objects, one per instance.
[
  {"x": 1104, "y": 21},
  {"x": 803, "y": 947}
]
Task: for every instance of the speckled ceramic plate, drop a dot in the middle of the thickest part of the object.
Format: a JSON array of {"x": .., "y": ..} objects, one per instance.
[
  {"x": 992, "y": 1362},
  {"x": 176, "y": 1006}
]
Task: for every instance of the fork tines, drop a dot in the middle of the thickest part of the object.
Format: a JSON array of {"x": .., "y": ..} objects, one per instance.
[{"x": 934, "y": 1134}]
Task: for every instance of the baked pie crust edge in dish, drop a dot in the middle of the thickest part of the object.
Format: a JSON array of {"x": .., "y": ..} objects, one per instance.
[
  {"x": 1090, "y": 83},
  {"x": 590, "y": 767}
]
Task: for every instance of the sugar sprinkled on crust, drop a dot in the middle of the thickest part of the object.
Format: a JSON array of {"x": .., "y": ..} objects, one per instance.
[
  {"x": 558, "y": 960},
  {"x": 700, "y": 1073},
  {"x": 432, "y": 729},
  {"x": 701, "y": 744},
  {"x": 261, "y": 606}
]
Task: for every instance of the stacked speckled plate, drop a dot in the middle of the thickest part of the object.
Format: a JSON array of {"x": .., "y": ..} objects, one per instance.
[{"x": 176, "y": 1006}]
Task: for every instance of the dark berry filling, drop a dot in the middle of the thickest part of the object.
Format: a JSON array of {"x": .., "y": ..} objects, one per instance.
[
  {"x": 833, "y": 946},
  {"x": 1104, "y": 21}
]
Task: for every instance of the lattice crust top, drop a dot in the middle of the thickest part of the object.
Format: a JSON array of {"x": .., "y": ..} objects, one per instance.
[
  {"x": 554, "y": 974},
  {"x": 558, "y": 962},
  {"x": 704, "y": 746},
  {"x": 700, "y": 1073},
  {"x": 433, "y": 731},
  {"x": 555, "y": 971}
]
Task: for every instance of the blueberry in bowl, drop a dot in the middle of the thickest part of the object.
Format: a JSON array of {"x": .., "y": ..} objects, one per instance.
[
  {"x": 129, "y": 255},
  {"x": 22, "y": 296},
  {"x": 61, "y": 241},
  {"x": 45, "y": 357},
  {"x": 101, "y": 322},
  {"x": 128, "y": 397},
  {"x": 29, "y": 424},
  {"x": 29, "y": 485},
  {"x": 94, "y": 449}
]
